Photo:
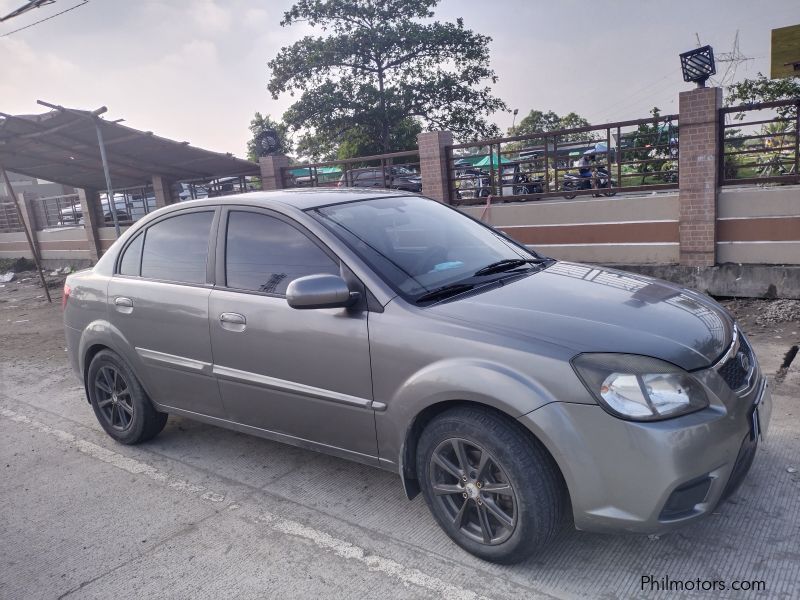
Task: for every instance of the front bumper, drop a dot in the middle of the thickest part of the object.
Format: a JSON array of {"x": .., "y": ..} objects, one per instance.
[{"x": 652, "y": 477}]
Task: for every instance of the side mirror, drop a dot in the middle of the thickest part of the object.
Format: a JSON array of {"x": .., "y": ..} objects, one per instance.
[{"x": 320, "y": 291}]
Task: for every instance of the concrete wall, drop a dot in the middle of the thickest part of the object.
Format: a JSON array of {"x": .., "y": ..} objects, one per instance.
[
  {"x": 68, "y": 245},
  {"x": 620, "y": 230},
  {"x": 759, "y": 225}
]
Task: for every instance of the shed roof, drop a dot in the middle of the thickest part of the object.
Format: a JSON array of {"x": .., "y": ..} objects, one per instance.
[{"x": 61, "y": 146}]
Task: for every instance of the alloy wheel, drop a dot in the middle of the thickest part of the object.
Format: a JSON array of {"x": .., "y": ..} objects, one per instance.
[
  {"x": 114, "y": 398},
  {"x": 474, "y": 491}
]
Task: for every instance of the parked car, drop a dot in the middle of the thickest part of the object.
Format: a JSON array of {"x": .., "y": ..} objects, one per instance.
[
  {"x": 396, "y": 178},
  {"x": 510, "y": 388},
  {"x": 127, "y": 210}
]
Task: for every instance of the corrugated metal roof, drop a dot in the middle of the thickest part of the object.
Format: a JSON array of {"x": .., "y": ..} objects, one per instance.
[{"x": 61, "y": 146}]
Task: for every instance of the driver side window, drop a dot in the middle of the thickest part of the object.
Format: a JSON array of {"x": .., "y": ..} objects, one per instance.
[{"x": 265, "y": 254}]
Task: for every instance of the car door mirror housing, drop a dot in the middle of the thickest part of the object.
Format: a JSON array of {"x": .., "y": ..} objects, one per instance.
[{"x": 320, "y": 291}]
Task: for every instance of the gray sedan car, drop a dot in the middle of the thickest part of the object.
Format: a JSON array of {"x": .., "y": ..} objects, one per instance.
[{"x": 514, "y": 391}]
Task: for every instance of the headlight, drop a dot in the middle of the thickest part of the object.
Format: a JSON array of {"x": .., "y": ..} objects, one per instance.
[{"x": 639, "y": 388}]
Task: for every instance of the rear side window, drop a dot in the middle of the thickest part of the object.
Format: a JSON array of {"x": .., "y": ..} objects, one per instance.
[
  {"x": 176, "y": 249},
  {"x": 265, "y": 254},
  {"x": 131, "y": 259}
]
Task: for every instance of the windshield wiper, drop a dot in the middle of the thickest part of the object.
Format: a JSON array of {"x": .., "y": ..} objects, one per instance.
[
  {"x": 444, "y": 292},
  {"x": 506, "y": 265}
]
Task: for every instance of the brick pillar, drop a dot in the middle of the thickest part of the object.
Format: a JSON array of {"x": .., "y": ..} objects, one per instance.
[
  {"x": 26, "y": 204},
  {"x": 697, "y": 170},
  {"x": 162, "y": 189},
  {"x": 433, "y": 164},
  {"x": 90, "y": 203},
  {"x": 271, "y": 176}
]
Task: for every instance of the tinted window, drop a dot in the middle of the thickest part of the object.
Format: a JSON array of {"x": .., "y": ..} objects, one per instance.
[
  {"x": 129, "y": 265},
  {"x": 176, "y": 249},
  {"x": 265, "y": 254}
]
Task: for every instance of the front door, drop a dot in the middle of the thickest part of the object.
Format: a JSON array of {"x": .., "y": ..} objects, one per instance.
[
  {"x": 158, "y": 301},
  {"x": 303, "y": 375}
]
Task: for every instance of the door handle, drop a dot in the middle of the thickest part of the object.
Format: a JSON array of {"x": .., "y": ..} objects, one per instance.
[
  {"x": 232, "y": 321},
  {"x": 123, "y": 304},
  {"x": 233, "y": 318}
]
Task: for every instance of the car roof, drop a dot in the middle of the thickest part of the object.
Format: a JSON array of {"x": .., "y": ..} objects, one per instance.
[{"x": 303, "y": 199}]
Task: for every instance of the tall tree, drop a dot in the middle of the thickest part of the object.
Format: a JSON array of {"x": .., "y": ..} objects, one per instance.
[
  {"x": 763, "y": 89},
  {"x": 381, "y": 64},
  {"x": 537, "y": 121},
  {"x": 263, "y": 123}
]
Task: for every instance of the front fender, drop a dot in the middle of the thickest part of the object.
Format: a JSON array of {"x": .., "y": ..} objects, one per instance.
[{"x": 479, "y": 381}]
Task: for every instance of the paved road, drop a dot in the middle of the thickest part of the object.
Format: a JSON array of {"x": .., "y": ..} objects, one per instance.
[{"x": 202, "y": 512}]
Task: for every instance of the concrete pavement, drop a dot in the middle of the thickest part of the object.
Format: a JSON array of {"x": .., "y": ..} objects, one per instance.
[{"x": 203, "y": 512}]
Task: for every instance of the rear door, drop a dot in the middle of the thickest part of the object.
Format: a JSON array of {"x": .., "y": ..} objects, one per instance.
[
  {"x": 158, "y": 301},
  {"x": 303, "y": 375}
]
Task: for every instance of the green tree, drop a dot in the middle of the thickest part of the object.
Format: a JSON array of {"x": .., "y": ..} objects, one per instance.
[
  {"x": 261, "y": 123},
  {"x": 764, "y": 89},
  {"x": 382, "y": 64},
  {"x": 537, "y": 121}
]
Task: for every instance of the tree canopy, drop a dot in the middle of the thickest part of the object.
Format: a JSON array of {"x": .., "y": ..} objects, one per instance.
[
  {"x": 537, "y": 121},
  {"x": 383, "y": 69},
  {"x": 258, "y": 125},
  {"x": 763, "y": 89}
]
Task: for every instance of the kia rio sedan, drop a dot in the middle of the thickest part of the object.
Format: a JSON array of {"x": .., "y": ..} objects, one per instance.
[{"x": 516, "y": 392}]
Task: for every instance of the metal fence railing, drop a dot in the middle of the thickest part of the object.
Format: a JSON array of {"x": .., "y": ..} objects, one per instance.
[
  {"x": 395, "y": 170},
  {"x": 596, "y": 160},
  {"x": 9, "y": 218},
  {"x": 131, "y": 205},
  {"x": 759, "y": 143},
  {"x": 57, "y": 211},
  {"x": 210, "y": 188}
]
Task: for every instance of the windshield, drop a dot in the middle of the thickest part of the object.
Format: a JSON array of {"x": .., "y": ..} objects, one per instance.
[{"x": 418, "y": 245}]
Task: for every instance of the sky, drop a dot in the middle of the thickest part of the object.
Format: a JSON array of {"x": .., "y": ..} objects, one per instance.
[{"x": 196, "y": 70}]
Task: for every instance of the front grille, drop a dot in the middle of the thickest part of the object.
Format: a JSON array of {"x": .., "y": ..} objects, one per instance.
[{"x": 737, "y": 369}]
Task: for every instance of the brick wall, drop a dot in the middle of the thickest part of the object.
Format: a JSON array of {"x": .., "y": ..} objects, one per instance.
[
  {"x": 699, "y": 133},
  {"x": 271, "y": 176},
  {"x": 433, "y": 163}
]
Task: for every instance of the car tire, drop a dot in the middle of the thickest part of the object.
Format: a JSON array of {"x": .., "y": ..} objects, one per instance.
[
  {"x": 119, "y": 401},
  {"x": 519, "y": 479}
]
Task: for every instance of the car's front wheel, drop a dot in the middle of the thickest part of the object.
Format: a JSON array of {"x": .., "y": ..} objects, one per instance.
[
  {"x": 492, "y": 487},
  {"x": 119, "y": 401}
]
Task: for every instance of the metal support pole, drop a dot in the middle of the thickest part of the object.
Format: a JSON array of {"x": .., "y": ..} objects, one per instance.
[
  {"x": 109, "y": 191},
  {"x": 93, "y": 116},
  {"x": 27, "y": 233}
]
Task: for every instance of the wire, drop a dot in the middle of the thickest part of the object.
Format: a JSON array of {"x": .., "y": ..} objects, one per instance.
[{"x": 45, "y": 19}]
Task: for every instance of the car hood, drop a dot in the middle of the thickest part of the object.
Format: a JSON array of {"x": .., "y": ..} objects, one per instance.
[{"x": 589, "y": 309}]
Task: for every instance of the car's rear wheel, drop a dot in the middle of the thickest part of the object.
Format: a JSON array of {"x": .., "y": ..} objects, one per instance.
[
  {"x": 119, "y": 401},
  {"x": 492, "y": 487}
]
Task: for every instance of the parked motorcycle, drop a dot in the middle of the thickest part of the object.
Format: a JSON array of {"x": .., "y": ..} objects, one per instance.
[
  {"x": 573, "y": 182},
  {"x": 525, "y": 183}
]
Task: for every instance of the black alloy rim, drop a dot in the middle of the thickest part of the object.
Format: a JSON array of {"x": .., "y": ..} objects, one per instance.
[
  {"x": 474, "y": 491},
  {"x": 114, "y": 398}
]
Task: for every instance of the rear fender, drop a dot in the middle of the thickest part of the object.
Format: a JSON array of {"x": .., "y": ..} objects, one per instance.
[{"x": 103, "y": 333}]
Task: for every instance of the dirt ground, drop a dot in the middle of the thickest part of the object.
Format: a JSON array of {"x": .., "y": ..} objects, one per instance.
[{"x": 204, "y": 512}]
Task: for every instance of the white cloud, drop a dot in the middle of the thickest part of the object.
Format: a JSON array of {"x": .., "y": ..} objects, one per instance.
[{"x": 210, "y": 18}]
